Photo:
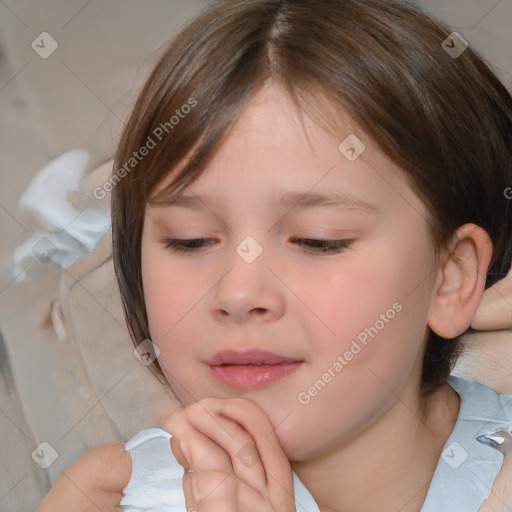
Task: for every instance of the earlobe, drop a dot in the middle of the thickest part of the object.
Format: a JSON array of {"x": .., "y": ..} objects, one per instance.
[{"x": 460, "y": 281}]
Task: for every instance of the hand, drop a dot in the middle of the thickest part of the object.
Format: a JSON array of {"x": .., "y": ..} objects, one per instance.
[
  {"x": 494, "y": 312},
  {"x": 93, "y": 483},
  {"x": 234, "y": 459}
]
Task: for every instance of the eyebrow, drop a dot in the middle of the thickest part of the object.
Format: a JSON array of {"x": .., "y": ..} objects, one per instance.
[{"x": 288, "y": 199}]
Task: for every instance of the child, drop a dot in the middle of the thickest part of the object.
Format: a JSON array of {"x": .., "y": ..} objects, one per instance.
[{"x": 308, "y": 203}]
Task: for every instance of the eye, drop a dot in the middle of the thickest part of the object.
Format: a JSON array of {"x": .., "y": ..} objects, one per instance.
[
  {"x": 314, "y": 245},
  {"x": 323, "y": 246},
  {"x": 187, "y": 245}
]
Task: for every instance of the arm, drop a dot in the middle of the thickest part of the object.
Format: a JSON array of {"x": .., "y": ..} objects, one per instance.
[{"x": 93, "y": 482}]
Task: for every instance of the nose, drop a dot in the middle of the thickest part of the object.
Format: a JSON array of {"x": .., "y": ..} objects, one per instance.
[{"x": 248, "y": 292}]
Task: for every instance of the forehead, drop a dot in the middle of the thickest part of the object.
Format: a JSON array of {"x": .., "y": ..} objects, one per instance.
[{"x": 274, "y": 155}]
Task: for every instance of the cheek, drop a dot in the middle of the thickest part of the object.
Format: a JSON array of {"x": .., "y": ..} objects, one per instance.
[
  {"x": 372, "y": 329},
  {"x": 353, "y": 304},
  {"x": 174, "y": 299},
  {"x": 155, "y": 285},
  {"x": 167, "y": 294}
]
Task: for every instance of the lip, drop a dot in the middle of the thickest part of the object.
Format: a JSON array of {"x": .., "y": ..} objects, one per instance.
[
  {"x": 248, "y": 357},
  {"x": 238, "y": 369}
]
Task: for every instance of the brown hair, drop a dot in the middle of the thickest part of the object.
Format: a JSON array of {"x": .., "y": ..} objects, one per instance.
[{"x": 447, "y": 122}]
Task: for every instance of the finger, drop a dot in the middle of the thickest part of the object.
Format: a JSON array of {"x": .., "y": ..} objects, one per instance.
[
  {"x": 234, "y": 439},
  {"x": 250, "y": 500},
  {"x": 180, "y": 452},
  {"x": 226, "y": 493},
  {"x": 203, "y": 454},
  {"x": 273, "y": 475},
  {"x": 210, "y": 465},
  {"x": 273, "y": 459},
  {"x": 190, "y": 493},
  {"x": 251, "y": 416}
]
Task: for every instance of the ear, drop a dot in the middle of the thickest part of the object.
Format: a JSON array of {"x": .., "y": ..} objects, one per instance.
[{"x": 460, "y": 281}]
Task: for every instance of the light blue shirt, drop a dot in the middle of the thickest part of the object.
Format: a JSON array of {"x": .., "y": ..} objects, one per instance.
[{"x": 461, "y": 483}]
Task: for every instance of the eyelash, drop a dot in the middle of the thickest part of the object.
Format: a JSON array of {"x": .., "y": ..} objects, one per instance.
[{"x": 317, "y": 246}]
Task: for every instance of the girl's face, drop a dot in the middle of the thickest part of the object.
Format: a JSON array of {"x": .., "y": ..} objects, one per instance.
[{"x": 354, "y": 319}]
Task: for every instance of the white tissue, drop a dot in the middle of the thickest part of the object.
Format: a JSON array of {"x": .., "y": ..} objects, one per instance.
[{"x": 67, "y": 232}]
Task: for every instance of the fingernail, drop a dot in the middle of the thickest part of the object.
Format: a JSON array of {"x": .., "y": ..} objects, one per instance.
[{"x": 186, "y": 453}]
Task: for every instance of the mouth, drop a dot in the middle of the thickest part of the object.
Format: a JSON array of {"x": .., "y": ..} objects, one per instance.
[{"x": 251, "y": 369}]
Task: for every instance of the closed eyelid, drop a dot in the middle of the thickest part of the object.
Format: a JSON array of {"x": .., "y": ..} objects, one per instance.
[{"x": 319, "y": 246}]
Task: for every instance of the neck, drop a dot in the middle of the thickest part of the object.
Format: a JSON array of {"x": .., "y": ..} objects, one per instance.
[{"x": 388, "y": 466}]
